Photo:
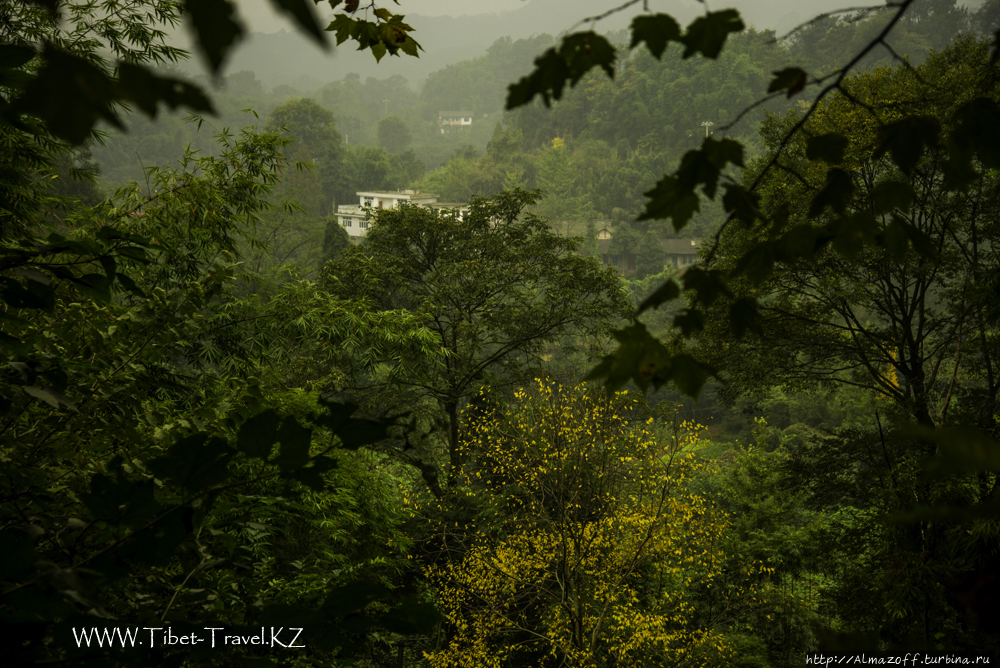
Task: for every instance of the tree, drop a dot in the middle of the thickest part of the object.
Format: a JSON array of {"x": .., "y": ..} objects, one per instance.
[
  {"x": 303, "y": 184},
  {"x": 70, "y": 40},
  {"x": 651, "y": 257},
  {"x": 591, "y": 544},
  {"x": 887, "y": 319},
  {"x": 495, "y": 286},
  {"x": 624, "y": 240},
  {"x": 394, "y": 134},
  {"x": 312, "y": 125},
  {"x": 910, "y": 322}
]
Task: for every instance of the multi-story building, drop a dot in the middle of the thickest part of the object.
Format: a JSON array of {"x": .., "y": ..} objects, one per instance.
[
  {"x": 451, "y": 120},
  {"x": 355, "y": 218}
]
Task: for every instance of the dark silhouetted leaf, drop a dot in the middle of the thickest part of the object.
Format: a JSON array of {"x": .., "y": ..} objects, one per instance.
[
  {"x": 304, "y": 14},
  {"x": 829, "y": 148},
  {"x": 656, "y": 30},
  {"x": 690, "y": 322},
  {"x": 976, "y": 122},
  {"x": 215, "y": 27},
  {"x": 791, "y": 78},
  {"x": 670, "y": 200},
  {"x": 906, "y": 139},
  {"x": 295, "y": 441},
  {"x": 666, "y": 292},
  {"x": 709, "y": 285},
  {"x": 744, "y": 317},
  {"x": 353, "y": 597},
  {"x": 49, "y": 396},
  {"x": 689, "y": 375},
  {"x": 258, "y": 435},
  {"x": 852, "y": 232},
  {"x": 17, "y": 554},
  {"x": 12, "y": 56},
  {"x": 195, "y": 462},
  {"x": 577, "y": 54},
  {"x": 707, "y": 34},
  {"x": 757, "y": 264},
  {"x": 639, "y": 357},
  {"x": 836, "y": 193},
  {"x": 741, "y": 203},
  {"x": 890, "y": 195}
]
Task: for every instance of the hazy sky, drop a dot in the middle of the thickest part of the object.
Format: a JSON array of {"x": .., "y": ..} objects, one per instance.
[{"x": 261, "y": 18}]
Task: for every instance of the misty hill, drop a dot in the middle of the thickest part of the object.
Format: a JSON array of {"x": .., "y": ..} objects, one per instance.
[{"x": 286, "y": 56}]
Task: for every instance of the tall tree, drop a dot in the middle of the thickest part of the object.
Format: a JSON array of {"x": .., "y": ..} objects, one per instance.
[
  {"x": 494, "y": 286},
  {"x": 310, "y": 124},
  {"x": 394, "y": 134}
]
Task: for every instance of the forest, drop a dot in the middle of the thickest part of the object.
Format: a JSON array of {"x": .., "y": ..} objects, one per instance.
[{"x": 233, "y": 435}]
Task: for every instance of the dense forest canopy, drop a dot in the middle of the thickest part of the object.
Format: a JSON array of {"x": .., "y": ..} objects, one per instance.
[{"x": 225, "y": 417}]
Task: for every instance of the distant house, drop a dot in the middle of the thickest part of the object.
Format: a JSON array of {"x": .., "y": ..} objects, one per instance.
[
  {"x": 355, "y": 218},
  {"x": 450, "y": 120},
  {"x": 680, "y": 253}
]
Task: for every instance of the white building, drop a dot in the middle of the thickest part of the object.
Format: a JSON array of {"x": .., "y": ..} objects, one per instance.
[
  {"x": 450, "y": 120},
  {"x": 355, "y": 218}
]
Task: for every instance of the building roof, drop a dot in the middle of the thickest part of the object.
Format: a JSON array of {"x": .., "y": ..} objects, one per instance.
[{"x": 455, "y": 113}]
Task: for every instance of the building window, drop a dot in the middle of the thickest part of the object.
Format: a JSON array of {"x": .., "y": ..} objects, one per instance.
[
  {"x": 363, "y": 224},
  {"x": 369, "y": 201},
  {"x": 346, "y": 222}
]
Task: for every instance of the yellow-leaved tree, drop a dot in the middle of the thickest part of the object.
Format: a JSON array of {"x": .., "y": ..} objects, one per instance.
[{"x": 596, "y": 551}]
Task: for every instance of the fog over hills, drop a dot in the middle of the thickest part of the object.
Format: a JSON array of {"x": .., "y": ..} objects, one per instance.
[{"x": 455, "y": 30}]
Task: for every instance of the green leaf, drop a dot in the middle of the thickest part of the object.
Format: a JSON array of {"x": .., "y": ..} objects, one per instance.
[
  {"x": 829, "y": 148},
  {"x": 215, "y": 27},
  {"x": 836, "y": 193},
  {"x": 707, "y": 34},
  {"x": 49, "y": 396},
  {"x": 665, "y": 293},
  {"x": 576, "y": 55},
  {"x": 906, "y": 139},
  {"x": 656, "y": 30},
  {"x": 791, "y": 78},
  {"x": 258, "y": 434}
]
